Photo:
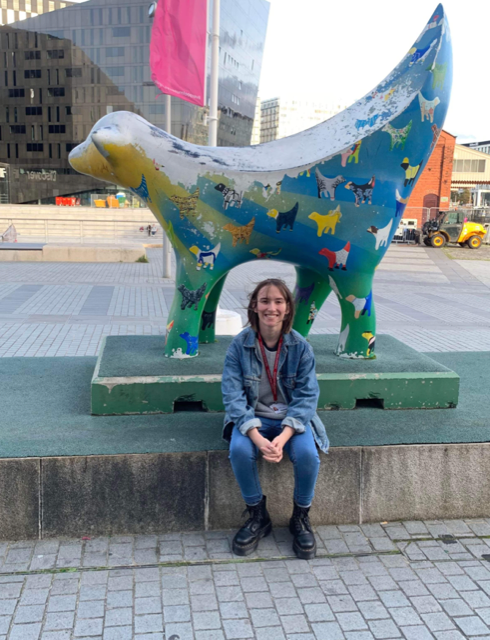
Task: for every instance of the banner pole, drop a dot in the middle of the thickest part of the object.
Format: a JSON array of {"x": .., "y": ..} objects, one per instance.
[
  {"x": 213, "y": 84},
  {"x": 167, "y": 263}
]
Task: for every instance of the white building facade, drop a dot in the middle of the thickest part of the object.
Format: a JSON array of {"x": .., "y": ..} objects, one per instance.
[{"x": 282, "y": 117}]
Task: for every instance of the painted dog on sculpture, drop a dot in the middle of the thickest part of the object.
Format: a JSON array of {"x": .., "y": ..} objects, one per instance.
[{"x": 218, "y": 209}]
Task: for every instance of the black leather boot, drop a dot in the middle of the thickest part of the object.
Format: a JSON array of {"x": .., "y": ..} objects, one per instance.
[
  {"x": 304, "y": 543},
  {"x": 258, "y": 526}
]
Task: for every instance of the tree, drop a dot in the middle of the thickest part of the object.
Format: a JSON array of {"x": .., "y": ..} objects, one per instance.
[{"x": 465, "y": 197}]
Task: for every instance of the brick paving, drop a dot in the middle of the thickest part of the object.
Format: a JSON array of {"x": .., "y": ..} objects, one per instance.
[
  {"x": 409, "y": 580},
  {"x": 422, "y": 298}
]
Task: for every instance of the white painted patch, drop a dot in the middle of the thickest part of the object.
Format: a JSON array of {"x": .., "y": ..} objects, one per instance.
[{"x": 180, "y": 355}]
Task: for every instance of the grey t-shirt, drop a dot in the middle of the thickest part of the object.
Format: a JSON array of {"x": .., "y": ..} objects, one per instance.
[{"x": 263, "y": 408}]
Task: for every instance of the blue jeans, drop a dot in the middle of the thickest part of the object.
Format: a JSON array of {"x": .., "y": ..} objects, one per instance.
[{"x": 301, "y": 450}]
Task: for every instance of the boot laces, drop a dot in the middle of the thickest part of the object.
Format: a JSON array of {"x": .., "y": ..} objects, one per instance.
[
  {"x": 301, "y": 519},
  {"x": 254, "y": 513}
]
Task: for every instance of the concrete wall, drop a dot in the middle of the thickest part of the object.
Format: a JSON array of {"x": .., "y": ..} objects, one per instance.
[
  {"x": 195, "y": 491},
  {"x": 51, "y": 212},
  {"x": 74, "y": 253}
]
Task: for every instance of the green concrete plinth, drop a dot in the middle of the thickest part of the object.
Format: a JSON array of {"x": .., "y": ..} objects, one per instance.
[{"x": 132, "y": 376}]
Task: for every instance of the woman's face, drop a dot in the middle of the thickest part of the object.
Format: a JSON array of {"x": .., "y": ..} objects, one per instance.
[{"x": 271, "y": 307}]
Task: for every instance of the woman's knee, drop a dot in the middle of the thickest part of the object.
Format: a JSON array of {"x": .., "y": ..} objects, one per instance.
[
  {"x": 241, "y": 447},
  {"x": 307, "y": 457}
]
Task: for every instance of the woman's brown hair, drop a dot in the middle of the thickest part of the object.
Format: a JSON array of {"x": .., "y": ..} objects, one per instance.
[{"x": 288, "y": 296}]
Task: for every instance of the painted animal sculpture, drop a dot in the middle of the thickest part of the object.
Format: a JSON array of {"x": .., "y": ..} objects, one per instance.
[{"x": 219, "y": 209}]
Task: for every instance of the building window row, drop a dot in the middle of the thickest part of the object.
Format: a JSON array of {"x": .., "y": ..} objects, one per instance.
[
  {"x": 57, "y": 128},
  {"x": 32, "y": 55},
  {"x": 32, "y": 73},
  {"x": 469, "y": 166},
  {"x": 55, "y": 54},
  {"x": 230, "y": 60},
  {"x": 56, "y": 92}
]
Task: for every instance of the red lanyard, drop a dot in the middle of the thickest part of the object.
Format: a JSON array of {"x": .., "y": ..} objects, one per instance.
[{"x": 272, "y": 377}]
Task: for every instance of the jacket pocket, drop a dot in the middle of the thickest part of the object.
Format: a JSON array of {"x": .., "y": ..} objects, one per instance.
[
  {"x": 249, "y": 381},
  {"x": 289, "y": 381}
]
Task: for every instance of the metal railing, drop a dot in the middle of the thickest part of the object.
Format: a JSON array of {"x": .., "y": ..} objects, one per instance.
[{"x": 37, "y": 230}]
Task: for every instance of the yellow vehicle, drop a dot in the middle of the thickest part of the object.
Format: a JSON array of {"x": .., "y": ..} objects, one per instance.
[{"x": 453, "y": 226}]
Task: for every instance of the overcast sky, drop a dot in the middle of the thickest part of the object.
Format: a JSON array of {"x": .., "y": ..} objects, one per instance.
[{"x": 338, "y": 51}]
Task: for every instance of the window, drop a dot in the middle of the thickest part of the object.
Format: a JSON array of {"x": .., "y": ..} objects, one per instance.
[
  {"x": 32, "y": 55},
  {"x": 55, "y": 54},
  {"x": 14, "y": 78},
  {"x": 56, "y": 92},
  {"x": 73, "y": 73},
  {"x": 16, "y": 93},
  {"x": 34, "y": 111},
  {"x": 469, "y": 166},
  {"x": 57, "y": 114},
  {"x": 114, "y": 52},
  {"x": 49, "y": 76},
  {"x": 41, "y": 131},
  {"x": 13, "y": 58},
  {"x": 57, "y": 128},
  {"x": 6, "y": 78},
  {"x": 68, "y": 111},
  {"x": 8, "y": 150},
  {"x": 121, "y": 32},
  {"x": 17, "y": 128},
  {"x": 70, "y": 146},
  {"x": 32, "y": 73},
  {"x": 35, "y": 147},
  {"x": 7, "y": 114},
  {"x": 33, "y": 132},
  {"x": 16, "y": 115},
  {"x": 49, "y": 114},
  {"x": 116, "y": 71},
  {"x": 40, "y": 96}
]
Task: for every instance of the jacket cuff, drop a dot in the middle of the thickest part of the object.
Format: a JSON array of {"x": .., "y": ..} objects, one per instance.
[
  {"x": 254, "y": 423},
  {"x": 298, "y": 426}
]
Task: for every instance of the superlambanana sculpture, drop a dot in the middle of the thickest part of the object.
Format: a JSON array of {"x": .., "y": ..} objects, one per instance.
[{"x": 327, "y": 200}]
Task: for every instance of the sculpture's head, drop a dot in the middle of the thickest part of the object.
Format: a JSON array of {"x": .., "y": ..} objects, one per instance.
[
  {"x": 194, "y": 250},
  {"x": 273, "y": 213},
  {"x": 115, "y": 149}
]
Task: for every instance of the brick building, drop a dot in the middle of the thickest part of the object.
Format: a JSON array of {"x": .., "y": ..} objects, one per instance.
[{"x": 433, "y": 189}]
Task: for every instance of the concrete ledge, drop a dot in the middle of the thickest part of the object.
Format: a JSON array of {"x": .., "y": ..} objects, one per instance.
[
  {"x": 167, "y": 492},
  {"x": 106, "y": 495},
  {"x": 20, "y": 487},
  {"x": 76, "y": 253}
]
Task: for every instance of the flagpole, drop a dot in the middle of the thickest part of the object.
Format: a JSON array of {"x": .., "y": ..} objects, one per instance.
[
  {"x": 167, "y": 262},
  {"x": 213, "y": 83}
]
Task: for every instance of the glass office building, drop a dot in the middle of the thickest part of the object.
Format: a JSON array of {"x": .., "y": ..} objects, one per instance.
[{"x": 62, "y": 71}]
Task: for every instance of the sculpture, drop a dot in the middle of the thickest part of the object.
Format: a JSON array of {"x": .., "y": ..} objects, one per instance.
[{"x": 327, "y": 200}]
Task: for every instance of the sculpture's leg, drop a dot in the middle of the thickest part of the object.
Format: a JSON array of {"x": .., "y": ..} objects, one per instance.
[
  {"x": 185, "y": 314},
  {"x": 208, "y": 326},
  {"x": 310, "y": 293},
  {"x": 358, "y": 329}
]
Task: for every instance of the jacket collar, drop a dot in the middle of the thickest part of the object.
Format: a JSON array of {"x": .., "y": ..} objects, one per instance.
[{"x": 250, "y": 337}]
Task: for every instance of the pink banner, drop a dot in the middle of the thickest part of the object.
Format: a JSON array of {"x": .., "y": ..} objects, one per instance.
[{"x": 178, "y": 49}]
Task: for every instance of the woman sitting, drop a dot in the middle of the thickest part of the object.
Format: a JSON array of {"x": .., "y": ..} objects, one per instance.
[{"x": 270, "y": 393}]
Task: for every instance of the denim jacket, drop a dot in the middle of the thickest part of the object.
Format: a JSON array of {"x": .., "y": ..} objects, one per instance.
[{"x": 296, "y": 379}]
